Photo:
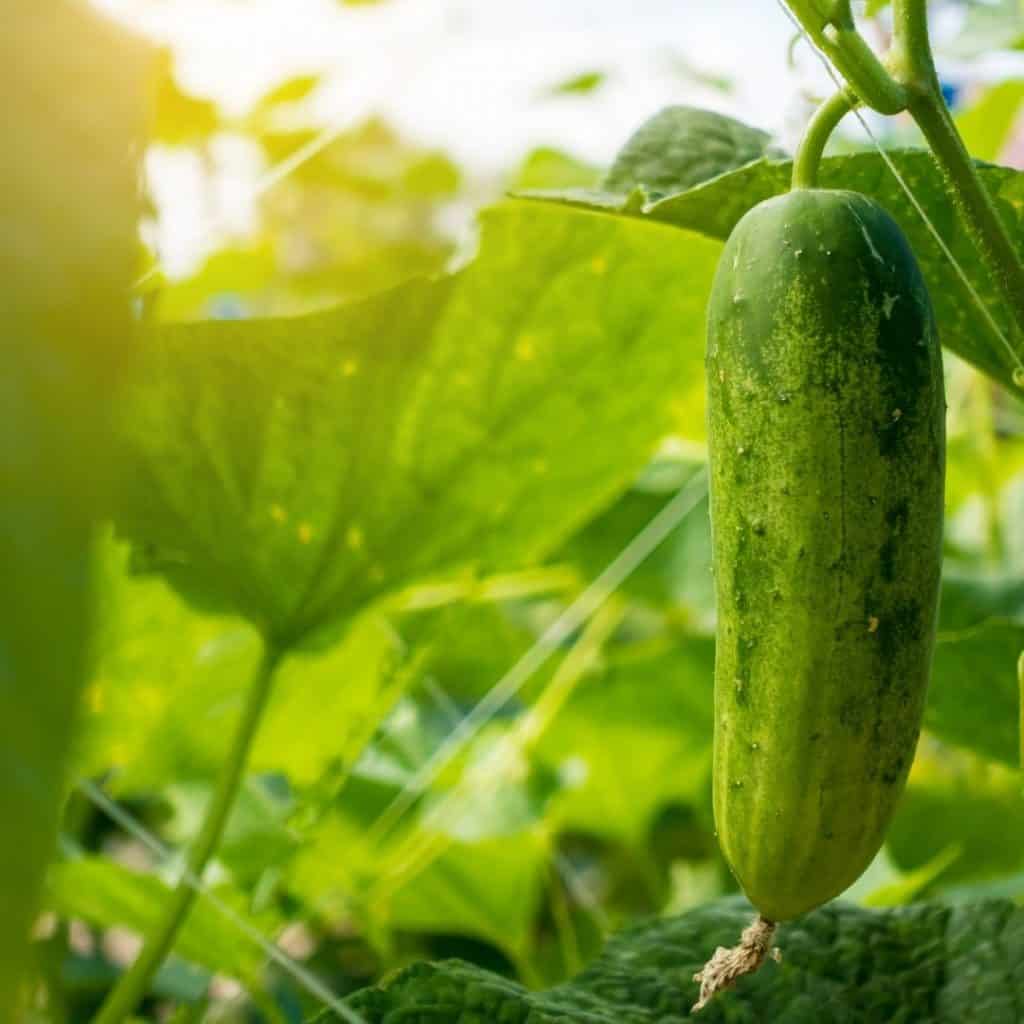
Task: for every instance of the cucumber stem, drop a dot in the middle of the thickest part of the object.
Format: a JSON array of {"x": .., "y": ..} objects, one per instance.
[
  {"x": 134, "y": 983},
  {"x": 819, "y": 129},
  {"x": 914, "y": 66},
  {"x": 727, "y": 966},
  {"x": 832, "y": 28}
]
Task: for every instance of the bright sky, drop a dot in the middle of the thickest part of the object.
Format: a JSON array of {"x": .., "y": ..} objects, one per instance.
[{"x": 469, "y": 75}]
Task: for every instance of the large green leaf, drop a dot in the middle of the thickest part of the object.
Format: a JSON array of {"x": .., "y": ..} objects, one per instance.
[
  {"x": 926, "y": 964},
  {"x": 298, "y": 468},
  {"x": 68, "y": 210},
  {"x": 714, "y": 205},
  {"x": 682, "y": 146}
]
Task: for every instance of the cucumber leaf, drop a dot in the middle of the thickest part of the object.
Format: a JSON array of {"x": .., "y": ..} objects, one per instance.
[
  {"x": 926, "y": 963},
  {"x": 682, "y": 146},
  {"x": 296, "y": 469},
  {"x": 713, "y": 205}
]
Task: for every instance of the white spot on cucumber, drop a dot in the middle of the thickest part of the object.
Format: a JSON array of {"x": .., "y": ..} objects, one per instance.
[
  {"x": 871, "y": 245},
  {"x": 888, "y": 301}
]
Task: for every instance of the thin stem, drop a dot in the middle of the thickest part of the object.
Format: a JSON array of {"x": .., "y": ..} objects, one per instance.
[
  {"x": 910, "y": 57},
  {"x": 819, "y": 129},
  {"x": 913, "y": 63},
  {"x": 831, "y": 27},
  {"x": 135, "y": 982},
  {"x": 984, "y": 225}
]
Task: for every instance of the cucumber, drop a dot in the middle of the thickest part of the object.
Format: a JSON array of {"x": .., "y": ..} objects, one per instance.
[{"x": 826, "y": 425}]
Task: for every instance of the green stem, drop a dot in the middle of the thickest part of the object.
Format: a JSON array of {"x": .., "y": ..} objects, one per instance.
[
  {"x": 912, "y": 62},
  {"x": 135, "y": 982},
  {"x": 820, "y": 128},
  {"x": 831, "y": 26},
  {"x": 984, "y": 225}
]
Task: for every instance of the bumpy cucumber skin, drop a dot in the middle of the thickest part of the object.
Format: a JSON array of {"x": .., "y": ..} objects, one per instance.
[{"x": 826, "y": 425}]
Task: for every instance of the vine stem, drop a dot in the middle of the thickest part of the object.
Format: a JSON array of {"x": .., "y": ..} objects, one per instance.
[
  {"x": 984, "y": 225},
  {"x": 831, "y": 26},
  {"x": 820, "y": 128},
  {"x": 908, "y": 81},
  {"x": 135, "y": 982},
  {"x": 913, "y": 65}
]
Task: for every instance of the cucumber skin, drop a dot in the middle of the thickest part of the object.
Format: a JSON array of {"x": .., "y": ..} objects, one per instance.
[{"x": 826, "y": 426}]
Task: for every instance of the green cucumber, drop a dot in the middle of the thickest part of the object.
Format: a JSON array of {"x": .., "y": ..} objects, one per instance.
[{"x": 826, "y": 430}]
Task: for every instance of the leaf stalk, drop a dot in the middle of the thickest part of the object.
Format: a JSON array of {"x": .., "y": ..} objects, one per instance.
[{"x": 135, "y": 982}]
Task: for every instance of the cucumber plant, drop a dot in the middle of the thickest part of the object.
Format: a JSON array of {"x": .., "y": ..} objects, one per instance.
[
  {"x": 826, "y": 426},
  {"x": 309, "y": 474}
]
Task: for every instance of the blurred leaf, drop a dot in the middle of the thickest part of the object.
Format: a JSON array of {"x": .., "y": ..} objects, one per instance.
[
  {"x": 955, "y": 800},
  {"x": 170, "y": 682},
  {"x": 293, "y": 90},
  {"x": 69, "y": 212},
  {"x": 93, "y": 975},
  {"x": 657, "y": 701},
  {"x": 330, "y": 696},
  {"x": 229, "y": 272},
  {"x": 929, "y": 963},
  {"x": 686, "y": 71},
  {"x": 361, "y": 212},
  {"x": 489, "y": 888},
  {"x": 301, "y": 478},
  {"x": 973, "y": 698},
  {"x": 477, "y": 870},
  {"x": 551, "y": 168},
  {"x": 905, "y": 886},
  {"x": 180, "y": 119},
  {"x": 167, "y": 684},
  {"x": 468, "y": 647},
  {"x": 995, "y": 25},
  {"x": 257, "y": 836},
  {"x": 713, "y": 207},
  {"x": 369, "y": 160},
  {"x": 683, "y": 146},
  {"x": 679, "y": 576},
  {"x": 107, "y": 894},
  {"x": 988, "y": 125},
  {"x": 581, "y": 84},
  {"x": 404, "y": 742},
  {"x": 977, "y": 464}
]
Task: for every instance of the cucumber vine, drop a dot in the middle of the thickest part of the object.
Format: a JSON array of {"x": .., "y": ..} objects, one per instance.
[{"x": 907, "y": 82}]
